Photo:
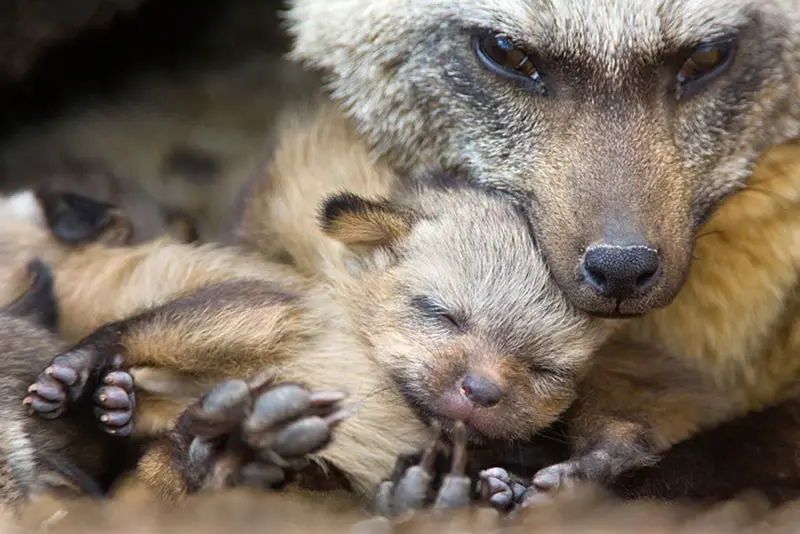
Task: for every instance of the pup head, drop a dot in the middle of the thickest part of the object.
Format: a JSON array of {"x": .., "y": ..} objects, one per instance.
[
  {"x": 460, "y": 309},
  {"x": 623, "y": 124}
]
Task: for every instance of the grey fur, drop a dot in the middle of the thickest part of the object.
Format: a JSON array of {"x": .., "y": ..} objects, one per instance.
[{"x": 610, "y": 151}]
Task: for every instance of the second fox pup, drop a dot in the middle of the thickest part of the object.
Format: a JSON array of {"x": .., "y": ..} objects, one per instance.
[{"x": 69, "y": 457}]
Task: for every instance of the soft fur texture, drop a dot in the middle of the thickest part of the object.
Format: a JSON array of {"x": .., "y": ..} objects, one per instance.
[
  {"x": 610, "y": 152},
  {"x": 354, "y": 323},
  {"x": 611, "y": 143}
]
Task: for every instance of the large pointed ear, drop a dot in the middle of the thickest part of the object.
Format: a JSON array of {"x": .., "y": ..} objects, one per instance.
[
  {"x": 363, "y": 224},
  {"x": 77, "y": 219}
]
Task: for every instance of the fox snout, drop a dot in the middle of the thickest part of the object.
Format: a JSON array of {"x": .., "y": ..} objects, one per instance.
[{"x": 616, "y": 224}]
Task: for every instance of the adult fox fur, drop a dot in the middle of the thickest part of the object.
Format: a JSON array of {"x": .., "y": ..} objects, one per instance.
[{"x": 634, "y": 130}]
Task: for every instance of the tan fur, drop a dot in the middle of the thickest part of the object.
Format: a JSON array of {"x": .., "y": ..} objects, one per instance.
[
  {"x": 610, "y": 141},
  {"x": 737, "y": 315},
  {"x": 280, "y": 207},
  {"x": 607, "y": 154}
]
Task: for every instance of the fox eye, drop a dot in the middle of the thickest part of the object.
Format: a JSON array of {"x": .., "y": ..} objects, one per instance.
[
  {"x": 503, "y": 57},
  {"x": 703, "y": 65},
  {"x": 430, "y": 308}
]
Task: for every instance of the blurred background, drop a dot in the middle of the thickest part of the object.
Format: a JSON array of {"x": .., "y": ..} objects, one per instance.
[{"x": 164, "y": 107}]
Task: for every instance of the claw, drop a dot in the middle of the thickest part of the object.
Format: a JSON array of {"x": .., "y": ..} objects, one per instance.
[
  {"x": 326, "y": 397},
  {"x": 411, "y": 491},
  {"x": 340, "y": 415},
  {"x": 382, "y": 504},
  {"x": 456, "y": 486}
]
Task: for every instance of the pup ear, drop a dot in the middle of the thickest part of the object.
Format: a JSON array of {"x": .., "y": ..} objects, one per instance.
[
  {"x": 362, "y": 223},
  {"x": 76, "y": 219}
]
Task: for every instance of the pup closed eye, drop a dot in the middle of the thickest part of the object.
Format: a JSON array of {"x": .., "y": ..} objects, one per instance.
[{"x": 431, "y": 308}]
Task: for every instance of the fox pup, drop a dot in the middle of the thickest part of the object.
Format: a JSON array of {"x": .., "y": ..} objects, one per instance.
[
  {"x": 69, "y": 458},
  {"x": 414, "y": 327}
]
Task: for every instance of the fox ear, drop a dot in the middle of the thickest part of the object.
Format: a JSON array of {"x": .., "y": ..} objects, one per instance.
[
  {"x": 362, "y": 224},
  {"x": 77, "y": 219}
]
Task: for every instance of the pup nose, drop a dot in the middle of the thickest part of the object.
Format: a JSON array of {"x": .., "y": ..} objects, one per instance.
[
  {"x": 621, "y": 272},
  {"x": 481, "y": 391}
]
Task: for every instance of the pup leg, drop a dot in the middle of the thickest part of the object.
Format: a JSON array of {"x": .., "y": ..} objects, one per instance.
[
  {"x": 209, "y": 331},
  {"x": 253, "y": 433}
]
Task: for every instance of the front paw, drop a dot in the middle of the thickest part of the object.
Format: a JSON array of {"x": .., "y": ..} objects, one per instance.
[
  {"x": 65, "y": 382},
  {"x": 255, "y": 433},
  {"x": 115, "y": 402},
  {"x": 598, "y": 467},
  {"x": 414, "y": 489},
  {"x": 498, "y": 488}
]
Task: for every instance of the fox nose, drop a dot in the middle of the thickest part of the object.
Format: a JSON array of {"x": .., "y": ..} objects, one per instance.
[
  {"x": 621, "y": 271},
  {"x": 480, "y": 391}
]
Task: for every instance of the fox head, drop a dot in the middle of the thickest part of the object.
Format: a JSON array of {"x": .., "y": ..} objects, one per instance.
[{"x": 620, "y": 124}]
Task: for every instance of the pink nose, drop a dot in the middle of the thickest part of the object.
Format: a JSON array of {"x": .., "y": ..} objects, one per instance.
[{"x": 454, "y": 406}]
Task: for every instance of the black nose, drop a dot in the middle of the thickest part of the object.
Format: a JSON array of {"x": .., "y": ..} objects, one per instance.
[
  {"x": 621, "y": 272},
  {"x": 481, "y": 391}
]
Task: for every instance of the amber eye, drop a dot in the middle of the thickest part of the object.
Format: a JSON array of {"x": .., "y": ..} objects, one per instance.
[
  {"x": 503, "y": 57},
  {"x": 704, "y": 64}
]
